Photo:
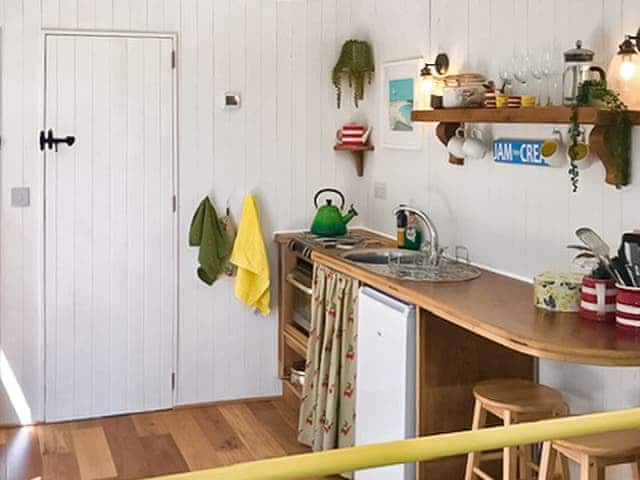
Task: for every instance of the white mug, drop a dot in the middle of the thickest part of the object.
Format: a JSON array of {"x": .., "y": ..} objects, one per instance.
[
  {"x": 454, "y": 146},
  {"x": 474, "y": 147},
  {"x": 553, "y": 150}
]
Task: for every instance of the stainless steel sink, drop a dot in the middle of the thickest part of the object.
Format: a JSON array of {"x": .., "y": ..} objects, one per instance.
[
  {"x": 381, "y": 256},
  {"x": 410, "y": 265}
]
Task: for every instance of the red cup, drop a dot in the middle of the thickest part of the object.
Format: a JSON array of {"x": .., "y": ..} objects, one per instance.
[
  {"x": 598, "y": 299},
  {"x": 628, "y": 307}
]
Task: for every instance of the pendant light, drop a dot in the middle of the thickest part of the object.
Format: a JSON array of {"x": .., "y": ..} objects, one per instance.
[
  {"x": 624, "y": 71},
  {"x": 429, "y": 84}
]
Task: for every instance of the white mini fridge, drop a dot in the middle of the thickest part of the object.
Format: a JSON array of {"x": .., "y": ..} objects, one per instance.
[{"x": 386, "y": 377}]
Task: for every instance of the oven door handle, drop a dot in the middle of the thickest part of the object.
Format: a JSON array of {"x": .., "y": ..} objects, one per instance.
[{"x": 291, "y": 278}]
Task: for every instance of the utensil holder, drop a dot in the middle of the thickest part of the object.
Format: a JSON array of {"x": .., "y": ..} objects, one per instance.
[
  {"x": 598, "y": 299},
  {"x": 628, "y": 307}
]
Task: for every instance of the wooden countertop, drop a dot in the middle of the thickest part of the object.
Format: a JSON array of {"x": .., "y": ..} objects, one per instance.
[{"x": 501, "y": 309}]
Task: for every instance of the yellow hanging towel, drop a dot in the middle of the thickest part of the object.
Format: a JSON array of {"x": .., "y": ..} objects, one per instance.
[{"x": 250, "y": 256}]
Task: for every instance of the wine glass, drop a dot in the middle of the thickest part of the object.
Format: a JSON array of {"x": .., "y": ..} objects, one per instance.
[
  {"x": 536, "y": 71},
  {"x": 506, "y": 76},
  {"x": 521, "y": 70},
  {"x": 546, "y": 65}
]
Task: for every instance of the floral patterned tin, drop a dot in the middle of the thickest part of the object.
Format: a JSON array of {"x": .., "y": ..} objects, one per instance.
[{"x": 558, "y": 292}]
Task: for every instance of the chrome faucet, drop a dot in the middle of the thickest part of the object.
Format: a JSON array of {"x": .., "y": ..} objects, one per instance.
[{"x": 434, "y": 251}]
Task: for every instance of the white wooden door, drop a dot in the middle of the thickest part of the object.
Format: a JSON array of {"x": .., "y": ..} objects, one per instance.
[{"x": 110, "y": 257}]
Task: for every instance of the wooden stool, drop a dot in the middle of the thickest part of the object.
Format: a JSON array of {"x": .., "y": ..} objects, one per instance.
[
  {"x": 513, "y": 401},
  {"x": 593, "y": 453}
]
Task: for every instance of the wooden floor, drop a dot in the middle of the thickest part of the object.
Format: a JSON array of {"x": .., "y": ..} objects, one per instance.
[{"x": 150, "y": 444}]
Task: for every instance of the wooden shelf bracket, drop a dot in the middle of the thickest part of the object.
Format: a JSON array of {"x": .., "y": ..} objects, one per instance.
[{"x": 357, "y": 152}]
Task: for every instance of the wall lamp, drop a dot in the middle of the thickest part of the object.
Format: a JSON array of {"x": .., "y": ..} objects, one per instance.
[
  {"x": 624, "y": 71},
  {"x": 428, "y": 87}
]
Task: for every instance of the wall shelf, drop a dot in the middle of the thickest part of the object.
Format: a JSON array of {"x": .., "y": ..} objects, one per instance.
[
  {"x": 450, "y": 119},
  {"x": 357, "y": 151}
]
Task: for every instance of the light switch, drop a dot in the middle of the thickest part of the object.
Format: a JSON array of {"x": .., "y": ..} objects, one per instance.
[
  {"x": 20, "y": 197},
  {"x": 380, "y": 190}
]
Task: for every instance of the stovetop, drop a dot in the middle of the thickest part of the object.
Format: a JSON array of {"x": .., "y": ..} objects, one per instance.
[{"x": 305, "y": 242}]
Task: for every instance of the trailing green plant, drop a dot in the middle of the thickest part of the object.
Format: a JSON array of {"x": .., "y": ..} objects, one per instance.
[
  {"x": 618, "y": 138},
  {"x": 356, "y": 62}
]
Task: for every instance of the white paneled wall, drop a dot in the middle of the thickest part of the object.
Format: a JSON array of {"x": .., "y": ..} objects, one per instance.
[
  {"x": 515, "y": 219},
  {"x": 279, "y": 54},
  {"x": 279, "y": 145}
]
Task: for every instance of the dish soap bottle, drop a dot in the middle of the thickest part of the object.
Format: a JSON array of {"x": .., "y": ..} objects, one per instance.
[
  {"x": 412, "y": 234},
  {"x": 401, "y": 222}
]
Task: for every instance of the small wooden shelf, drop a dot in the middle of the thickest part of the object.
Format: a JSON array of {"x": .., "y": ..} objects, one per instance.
[
  {"x": 586, "y": 115},
  {"x": 296, "y": 390},
  {"x": 357, "y": 151},
  {"x": 295, "y": 340},
  {"x": 450, "y": 119}
]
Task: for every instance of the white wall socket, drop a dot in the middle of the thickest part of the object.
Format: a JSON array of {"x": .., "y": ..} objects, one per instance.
[
  {"x": 380, "y": 190},
  {"x": 20, "y": 197}
]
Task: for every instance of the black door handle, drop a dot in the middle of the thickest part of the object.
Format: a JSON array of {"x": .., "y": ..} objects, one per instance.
[{"x": 52, "y": 142}]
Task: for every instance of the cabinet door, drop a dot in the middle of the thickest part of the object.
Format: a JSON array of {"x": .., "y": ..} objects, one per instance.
[{"x": 385, "y": 389}]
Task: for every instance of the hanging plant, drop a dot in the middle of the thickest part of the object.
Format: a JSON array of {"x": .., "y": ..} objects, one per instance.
[
  {"x": 356, "y": 62},
  {"x": 618, "y": 140}
]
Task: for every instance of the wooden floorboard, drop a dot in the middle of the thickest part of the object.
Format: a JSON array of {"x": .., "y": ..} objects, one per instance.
[{"x": 150, "y": 444}]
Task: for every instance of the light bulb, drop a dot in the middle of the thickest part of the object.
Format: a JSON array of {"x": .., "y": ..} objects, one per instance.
[
  {"x": 427, "y": 85},
  {"x": 627, "y": 68}
]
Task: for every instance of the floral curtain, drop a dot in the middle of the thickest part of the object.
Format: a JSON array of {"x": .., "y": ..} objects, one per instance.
[{"x": 327, "y": 413}]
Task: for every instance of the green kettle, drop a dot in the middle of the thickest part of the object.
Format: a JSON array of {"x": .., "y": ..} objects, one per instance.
[{"x": 329, "y": 220}]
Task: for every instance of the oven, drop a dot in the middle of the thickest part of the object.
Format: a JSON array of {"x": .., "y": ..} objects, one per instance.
[{"x": 299, "y": 281}]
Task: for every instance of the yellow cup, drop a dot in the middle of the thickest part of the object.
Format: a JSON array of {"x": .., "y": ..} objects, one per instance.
[
  {"x": 528, "y": 101},
  {"x": 501, "y": 100}
]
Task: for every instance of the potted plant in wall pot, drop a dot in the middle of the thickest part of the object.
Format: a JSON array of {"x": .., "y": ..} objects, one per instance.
[
  {"x": 594, "y": 93},
  {"x": 356, "y": 63}
]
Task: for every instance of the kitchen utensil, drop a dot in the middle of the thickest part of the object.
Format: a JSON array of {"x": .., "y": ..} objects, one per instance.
[
  {"x": 553, "y": 150},
  {"x": 619, "y": 271},
  {"x": 582, "y": 248},
  {"x": 631, "y": 244},
  {"x": 473, "y": 146},
  {"x": 594, "y": 241},
  {"x": 454, "y": 146},
  {"x": 329, "y": 220},
  {"x": 579, "y": 67},
  {"x": 632, "y": 275}
]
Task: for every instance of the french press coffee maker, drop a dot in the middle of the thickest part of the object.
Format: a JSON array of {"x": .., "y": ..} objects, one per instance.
[{"x": 579, "y": 68}]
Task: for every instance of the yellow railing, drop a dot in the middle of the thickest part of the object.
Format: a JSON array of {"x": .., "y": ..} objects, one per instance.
[{"x": 333, "y": 462}]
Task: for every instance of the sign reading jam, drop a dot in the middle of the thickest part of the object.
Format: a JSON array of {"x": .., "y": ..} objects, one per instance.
[{"x": 521, "y": 152}]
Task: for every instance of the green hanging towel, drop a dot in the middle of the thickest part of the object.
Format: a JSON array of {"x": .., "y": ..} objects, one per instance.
[{"x": 207, "y": 232}]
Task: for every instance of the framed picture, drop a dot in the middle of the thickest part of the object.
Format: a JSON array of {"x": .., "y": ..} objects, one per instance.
[{"x": 399, "y": 82}]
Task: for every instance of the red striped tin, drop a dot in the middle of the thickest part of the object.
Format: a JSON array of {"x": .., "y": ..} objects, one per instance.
[
  {"x": 598, "y": 299},
  {"x": 352, "y": 133},
  {"x": 628, "y": 307}
]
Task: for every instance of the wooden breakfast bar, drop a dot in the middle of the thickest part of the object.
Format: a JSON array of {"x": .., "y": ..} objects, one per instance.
[{"x": 483, "y": 329}]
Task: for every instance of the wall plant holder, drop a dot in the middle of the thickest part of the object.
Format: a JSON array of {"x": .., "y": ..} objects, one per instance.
[{"x": 450, "y": 119}]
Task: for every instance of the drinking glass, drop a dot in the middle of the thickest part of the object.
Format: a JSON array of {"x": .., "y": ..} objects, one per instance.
[
  {"x": 521, "y": 71},
  {"x": 536, "y": 71},
  {"x": 506, "y": 75},
  {"x": 546, "y": 66}
]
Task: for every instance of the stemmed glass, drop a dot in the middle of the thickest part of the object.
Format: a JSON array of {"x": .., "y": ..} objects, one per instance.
[
  {"x": 521, "y": 70},
  {"x": 536, "y": 71},
  {"x": 506, "y": 76},
  {"x": 546, "y": 66}
]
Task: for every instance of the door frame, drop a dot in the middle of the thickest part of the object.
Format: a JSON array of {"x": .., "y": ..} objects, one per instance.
[{"x": 173, "y": 37}]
